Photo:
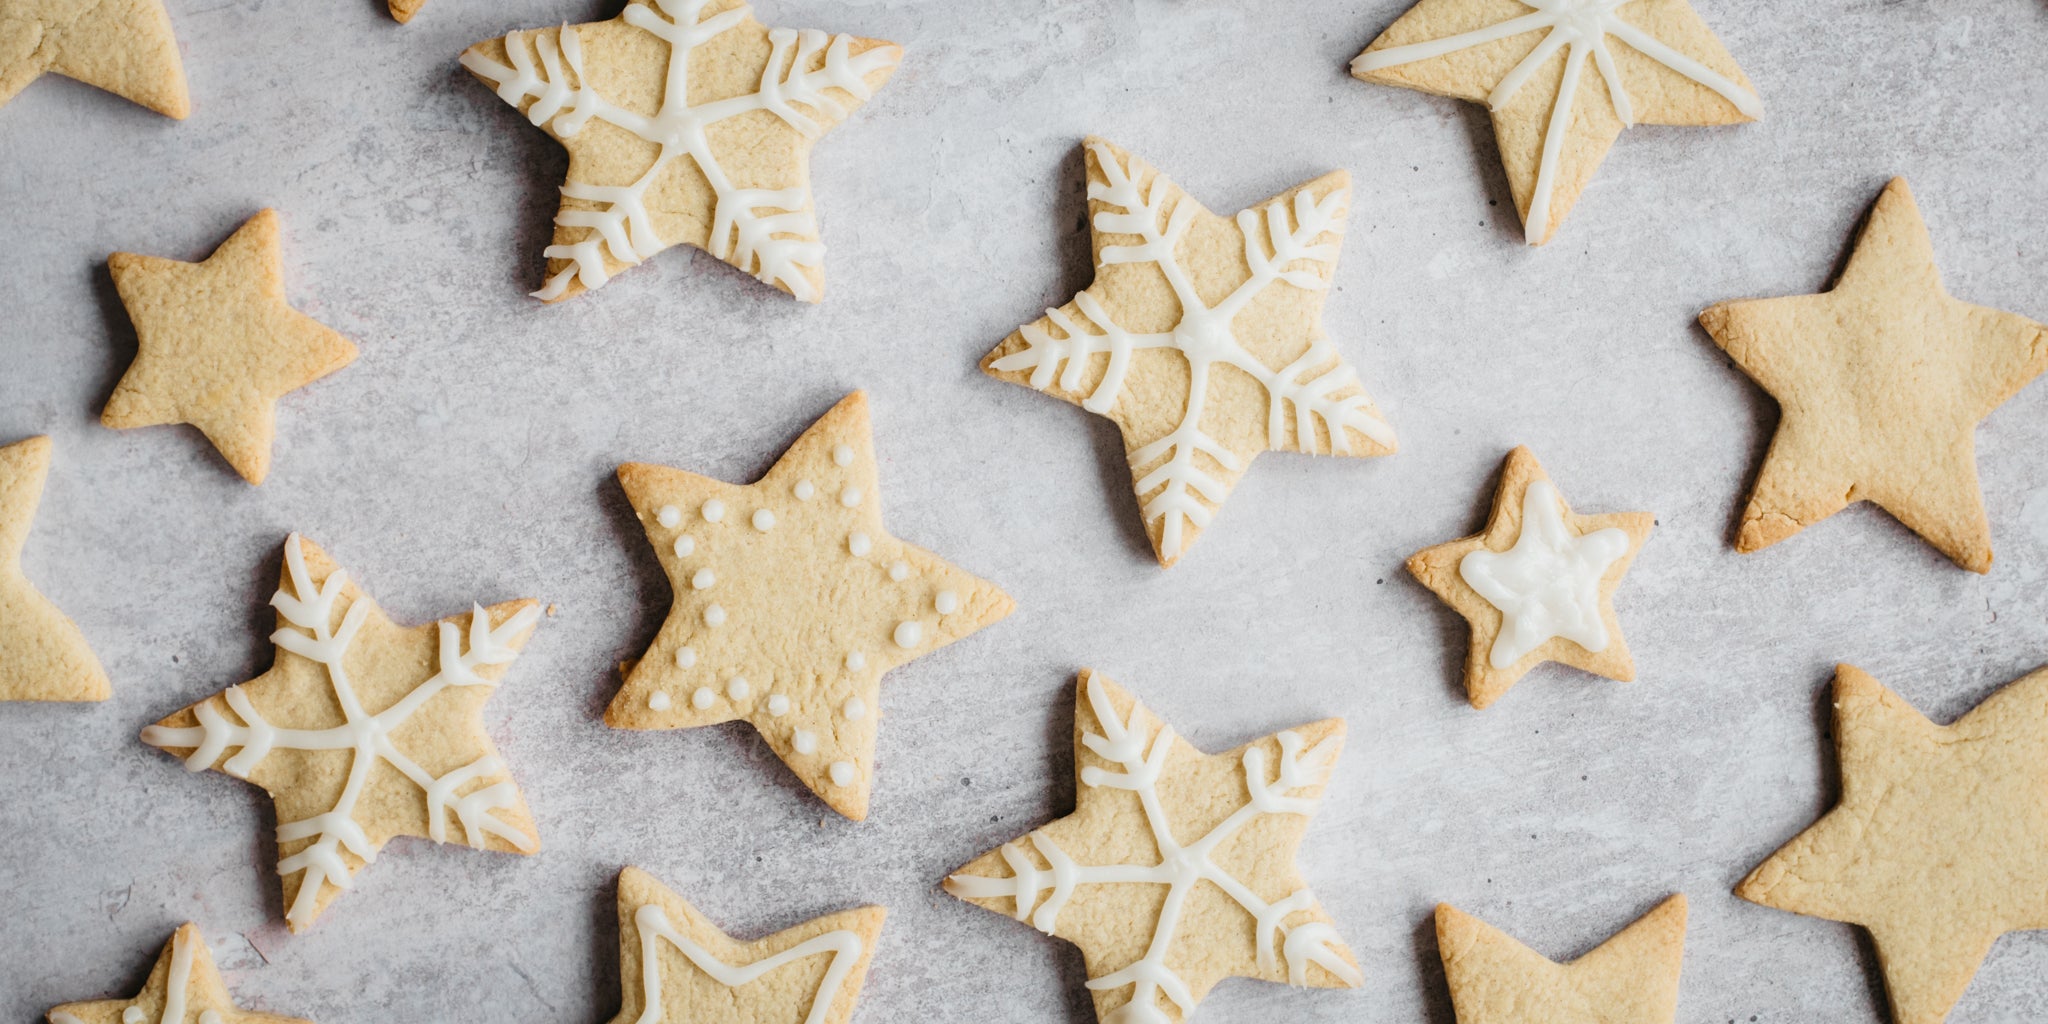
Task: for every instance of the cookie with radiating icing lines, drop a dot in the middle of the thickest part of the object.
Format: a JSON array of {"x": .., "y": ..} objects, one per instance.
[
  {"x": 687, "y": 123},
  {"x": 363, "y": 730},
  {"x": 183, "y": 988},
  {"x": 123, "y": 46},
  {"x": 1201, "y": 338},
  {"x": 1563, "y": 78},
  {"x": 1176, "y": 869},
  {"x": 43, "y": 656}
]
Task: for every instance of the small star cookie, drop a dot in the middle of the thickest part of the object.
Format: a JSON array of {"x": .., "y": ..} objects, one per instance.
[
  {"x": 183, "y": 987},
  {"x": 1216, "y": 832},
  {"x": 1201, "y": 339},
  {"x": 1607, "y": 63},
  {"x": 1632, "y": 978},
  {"x": 363, "y": 730},
  {"x": 403, "y": 10},
  {"x": 1538, "y": 585},
  {"x": 1882, "y": 381},
  {"x": 217, "y": 344},
  {"x": 1939, "y": 844},
  {"x": 122, "y": 46},
  {"x": 687, "y": 123},
  {"x": 791, "y": 601},
  {"x": 676, "y": 967},
  {"x": 43, "y": 656}
]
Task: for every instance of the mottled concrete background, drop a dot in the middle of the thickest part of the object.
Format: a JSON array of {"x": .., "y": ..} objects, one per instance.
[{"x": 468, "y": 456}]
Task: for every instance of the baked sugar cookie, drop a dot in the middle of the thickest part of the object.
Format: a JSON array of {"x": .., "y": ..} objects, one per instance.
[
  {"x": 363, "y": 730},
  {"x": 1176, "y": 869},
  {"x": 1632, "y": 978},
  {"x": 183, "y": 988},
  {"x": 122, "y": 46},
  {"x": 1881, "y": 381},
  {"x": 1201, "y": 339},
  {"x": 687, "y": 123},
  {"x": 43, "y": 656}
]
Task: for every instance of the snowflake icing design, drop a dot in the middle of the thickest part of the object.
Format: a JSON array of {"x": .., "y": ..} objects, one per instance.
[
  {"x": 811, "y": 79},
  {"x": 307, "y": 628},
  {"x": 1317, "y": 385},
  {"x": 1295, "y": 789}
]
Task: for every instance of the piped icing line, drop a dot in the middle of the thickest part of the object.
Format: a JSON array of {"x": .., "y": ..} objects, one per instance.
[
  {"x": 1547, "y": 584},
  {"x": 1582, "y": 26},
  {"x": 653, "y": 924}
]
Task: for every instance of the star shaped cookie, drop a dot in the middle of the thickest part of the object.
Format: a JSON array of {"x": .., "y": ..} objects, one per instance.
[
  {"x": 791, "y": 601},
  {"x": 687, "y": 123},
  {"x": 1176, "y": 869},
  {"x": 217, "y": 345},
  {"x": 1632, "y": 978},
  {"x": 1604, "y": 65},
  {"x": 1538, "y": 585},
  {"x": 363, "y": 730},
  {"x": 1882, "y": 381},
  {"x": 182, "y": 987},
  {"x": 1939, "y": 844},
  {"x": 122, "y": 46},
  {"x": 676, "y": 967},
  {"x": 1201, "y": 339},
  {"x": 43, "y": 656}
]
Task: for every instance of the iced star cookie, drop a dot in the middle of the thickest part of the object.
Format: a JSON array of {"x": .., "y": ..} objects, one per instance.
[
  {"x": 122, "y": 46},
  {"x": 1176, "y": 869},
  {"x": 1939, "y": 843},
  {"x": 791, "y": 602},
  {"x": 1201, "y": 339},
  {"x": 1538, "y": 585},
  {"x": 676, "y": 967},
  {"x": 1882, "y": 381},
  {"x": 43, "y": 656},
  {"x": 1632, "y": 978},
  {"x": 183, "y": 988},
  {"x": 363, "y": 730},
  {"x": 687, "y": 123},
  {"x": 1563, "y": 78},
  {"x": 218, "y": 345}
]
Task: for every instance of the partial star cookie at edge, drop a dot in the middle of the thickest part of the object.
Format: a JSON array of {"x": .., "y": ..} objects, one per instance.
[
  {"x": 791, "y": 600},
  {"x": 1201, "y": 338},
  {"x": 43, "y": 656},
  {"x": 1632, "y": 978},
  {"x": 687, "y": 123},
  {"x": 123, "y": 46},
  {"x": 1882, "y": 381},
  {"x": 183, "y": 986}
]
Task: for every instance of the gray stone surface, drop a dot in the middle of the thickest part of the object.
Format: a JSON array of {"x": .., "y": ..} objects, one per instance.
[{"x": 468, "y": 455}]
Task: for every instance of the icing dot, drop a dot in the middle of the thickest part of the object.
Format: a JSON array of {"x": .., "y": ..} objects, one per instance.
[
  {"x": 805, "y": 490},
  {"x": 854, "y": 709},
  {"x": 859, "y": 544},
  {"x": 764, "y": 520},
  {"x": 703, "y": 579},
  {"x": 778, "y": 705},
  {"x": 947, "y": 602},
  {"x": 714, "y": 510},
  {"x": 685, "y": 657},
  {"x": 899, "y": 571},
  {"x": 659, "y": 700},
  {"x": 737, "y": 688},
  {"x": 703, "y": 697},
  {"x": 669, "y": 516},
  {"x": 132, "y": 1015},
  {"x": 842, "y": 454},
  {"x": 685, "y": 546},
  {"x": 804, "y": 742},
  {"x": 842, "y": 773},
  {"x": 714, "y": 615},
  {"x": 908, "y": 634},
  {"x": 856, "y": 661},
  {"x": 850, "y": 496}
]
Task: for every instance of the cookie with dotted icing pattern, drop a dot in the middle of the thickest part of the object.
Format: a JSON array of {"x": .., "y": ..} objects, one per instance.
[
  {"x": 1176, "y": 869},
  {"x": 1538, "y": 584},
  {"x": 1632, "y": 978},
  {"x": 123, "y": 46},
  {"x": 791, "y": 601},
  {"x": 183, "y": 988},
  {"x": 43, "y": 656},
  {"x": 687, "y": 123}
]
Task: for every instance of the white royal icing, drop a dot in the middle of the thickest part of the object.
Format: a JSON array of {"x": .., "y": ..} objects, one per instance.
[
  {"x": 714, "y": 615},
  {"x": 177, "y": 986},
  {"x": 763, "y": 520},
  {"x": 804, "y": 741},
  {"x": 669, "y": 516},
  {"x": 653, "y": 925},
  {"x": 702, "y": 579},
  {"x": 737, "y": 688},
  {"x": 685, "y": 546},
  {"x": 659, "y": 700},
  {"x": 908, "y": 634},
  {"x": 685, "y": 657},
  {"x": 842, "y": 773},
  {"x": 854, "y": 709},
  {"x": 703, "y": 698},
  {"x": 778, "y": 705},
  {"x": 856, "y": 661},
  {"x": 842, "y": 454},
  {"x": 899, "y": 571},
  {"x": 1548, "y": 584},
  {"x": 713, "y": 511},
  {"x": 860, "y": 545},
  {"x": 849, "y": 496},
  {"x": 805, "y": 490},
  {"x": 946, "y": 602}
]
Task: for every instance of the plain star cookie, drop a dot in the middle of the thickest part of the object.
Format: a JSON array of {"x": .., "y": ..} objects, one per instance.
[
  {"x": 675, "y": 966},
  {"x": 43, "y": 656},
  {"x": 1538, "y": 585},
  {"x": 122, "y": 46},
  {"x": 1632, "y": 978},
  {"x": 1939, "y": 844},
  {"x": 183, "y": 988},
  {"x": 791, "y": 602},
  {"x": 1165, "y": 836},
  {"x": 1882, "y": 381},
  {"x": 363, "y": 730},
  {"x": 1605, "y": 64},
  {"x": 687, "y": 123},
  {"x": 218, "y": 345},
  {"x": 1201, "y": 339}
]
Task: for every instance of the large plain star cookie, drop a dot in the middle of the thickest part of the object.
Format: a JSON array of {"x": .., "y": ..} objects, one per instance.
[
  {"x": 43, "y": 656},
  {"x": 791, "y": 601},
  {"x": 218, "y": 345},
  {"x": 1603, "y": 64},
  {"x": 1538, "y": 585},
  {"x": 1176, "y": 869},
  {"x": 1201, "y": 339},
  {"x": 687, "y": 123},
  {"x": 363, "y": 730},
  {"x": 1632, "y": 978},
  {"x": 183, "y": 988},
  {"x": 1882, "y": 380},
  {"x": 122, "y": 46},
  {"x": 676, "y": 967},
  {"x": 1939, "y": 844}
]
